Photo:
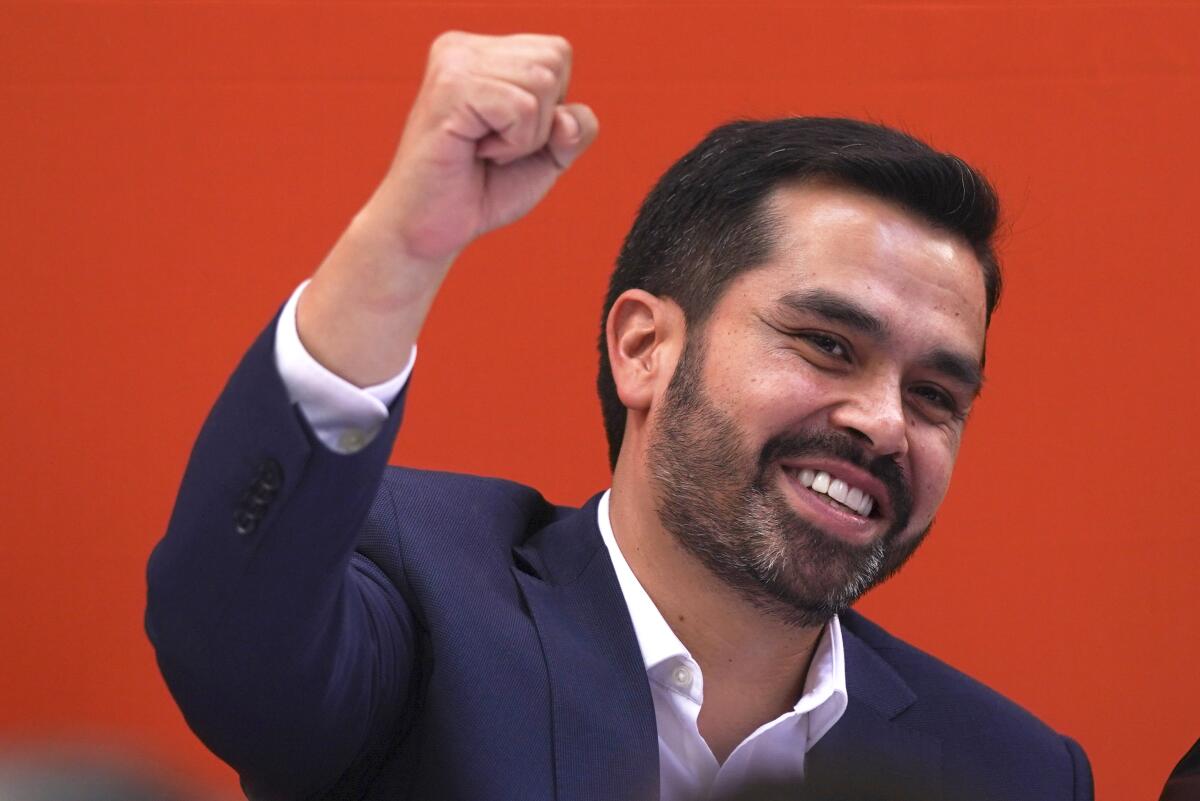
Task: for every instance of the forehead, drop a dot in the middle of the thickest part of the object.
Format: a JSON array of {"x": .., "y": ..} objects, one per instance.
[{"x": 922, "y": 280}]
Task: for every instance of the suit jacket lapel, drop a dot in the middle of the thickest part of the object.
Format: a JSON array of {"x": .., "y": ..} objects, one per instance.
[
  {"x": 605, "y": 738},
  {"x": 867, "y": 755}
]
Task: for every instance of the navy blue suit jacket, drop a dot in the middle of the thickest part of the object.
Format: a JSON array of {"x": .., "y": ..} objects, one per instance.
[{"x": 334, "y": 628}]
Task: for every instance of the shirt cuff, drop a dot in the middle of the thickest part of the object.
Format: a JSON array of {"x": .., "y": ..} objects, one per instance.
[{"x": 344, "y": 417}]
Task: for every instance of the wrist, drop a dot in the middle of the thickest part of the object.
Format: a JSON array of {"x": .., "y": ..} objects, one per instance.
[{"x": 376, "y": 229}]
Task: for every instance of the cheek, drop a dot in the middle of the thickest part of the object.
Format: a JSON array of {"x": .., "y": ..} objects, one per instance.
[
  {"x": 932, "y": 462},
  {"x": 765, "y": 391},
  {"x": 784, "y": 400}
]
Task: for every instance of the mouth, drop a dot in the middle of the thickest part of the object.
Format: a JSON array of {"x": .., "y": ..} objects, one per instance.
[
  {"x": 838, "y": 507},
  {"x": 839, "y": 492}
]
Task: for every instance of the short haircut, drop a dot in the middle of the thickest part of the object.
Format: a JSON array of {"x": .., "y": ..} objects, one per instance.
[{"x": 708, "y": 220}]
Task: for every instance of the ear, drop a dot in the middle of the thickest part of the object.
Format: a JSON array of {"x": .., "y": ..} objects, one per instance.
[{"x": 645, "y": 336}]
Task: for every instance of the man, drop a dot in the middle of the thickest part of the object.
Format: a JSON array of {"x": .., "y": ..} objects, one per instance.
[
  {"x": 1184, "y": 782},
  {"x": 792, "y": 341}
]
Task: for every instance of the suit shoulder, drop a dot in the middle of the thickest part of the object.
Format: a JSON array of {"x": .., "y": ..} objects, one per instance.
[
  {"x": 435, "y": 512},
  {"x": 951, "y": 697},
  {"x": 420, "y": 489},
  {"x": 991, "y": 748},
  {"x": 464, "y": 499}
]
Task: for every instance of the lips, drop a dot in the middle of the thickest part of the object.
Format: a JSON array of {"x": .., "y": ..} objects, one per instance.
[
  {"x": 854, "y": 499},
  {"x": 810, "y": 483},
  {"x": 865, "y": 498}
]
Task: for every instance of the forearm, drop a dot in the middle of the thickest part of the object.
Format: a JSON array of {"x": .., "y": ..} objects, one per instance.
[{"x": 361, "y": 314}]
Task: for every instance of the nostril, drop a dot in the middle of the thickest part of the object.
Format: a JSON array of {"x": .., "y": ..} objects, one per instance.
[{"x": 859, "y": 435}]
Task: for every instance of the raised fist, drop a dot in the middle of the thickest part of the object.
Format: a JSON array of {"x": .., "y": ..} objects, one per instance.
[{"x": 485, "y": 140}]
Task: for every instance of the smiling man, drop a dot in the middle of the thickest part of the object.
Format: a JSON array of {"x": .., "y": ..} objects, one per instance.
[
  {"x": 845, "y": 363},
  {"x": 791, "y": 344}
]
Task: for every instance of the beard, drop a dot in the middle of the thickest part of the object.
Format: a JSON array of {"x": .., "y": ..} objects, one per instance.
[{"x": 744, "y": 530}]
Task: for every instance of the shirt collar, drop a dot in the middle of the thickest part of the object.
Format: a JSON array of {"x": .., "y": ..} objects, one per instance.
[
  {"x": 824, "y": 698},
  {"x": 655, "y": 637}
]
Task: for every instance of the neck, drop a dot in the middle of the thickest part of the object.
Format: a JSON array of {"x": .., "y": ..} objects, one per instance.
[{"x": 754, "y": 665}]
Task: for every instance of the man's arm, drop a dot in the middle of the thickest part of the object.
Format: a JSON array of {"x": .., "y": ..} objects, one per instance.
[
  {"x": 1084, "y": 790},
  {"x": 289, "y": 654},
  {"x": 486, "y": 139}
]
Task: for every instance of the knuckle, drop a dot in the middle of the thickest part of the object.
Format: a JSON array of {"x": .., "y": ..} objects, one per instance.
[
  {"x": 446, "y": 52},
  {"x": 525, "y": 105},
  {"x": 445, "y": 80},
  {"x": 561, "y": 45},
  {"x": 447, "y": 40},
  {"x": 458, "y": 47},
  {"x": 540, "y": 78}
]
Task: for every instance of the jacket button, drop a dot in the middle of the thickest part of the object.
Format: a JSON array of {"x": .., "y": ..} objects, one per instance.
[
  {"x": 257, "y": 498},
  {"x": 270, "y": 475},
  {"x": 244, "y": 522}
]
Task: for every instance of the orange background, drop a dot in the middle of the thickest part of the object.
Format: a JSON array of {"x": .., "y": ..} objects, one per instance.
[{"x": 171, "y": 171}]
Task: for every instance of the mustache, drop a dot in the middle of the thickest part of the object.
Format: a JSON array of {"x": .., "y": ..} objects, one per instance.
[{"x": 837, "y": 445}]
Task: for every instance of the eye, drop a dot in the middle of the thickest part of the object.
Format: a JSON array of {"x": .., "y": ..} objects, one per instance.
[
  {"x": 826, "y": 343},
  {"x": 940, "y": 404}
]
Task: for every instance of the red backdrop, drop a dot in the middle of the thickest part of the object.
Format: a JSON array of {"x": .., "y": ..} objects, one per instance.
[{"x": 171, "y": 171}]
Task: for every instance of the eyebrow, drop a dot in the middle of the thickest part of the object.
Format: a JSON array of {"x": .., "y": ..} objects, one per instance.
[
  {"x": 838, "y": 308},
  {"x": 956, "y": 366}
]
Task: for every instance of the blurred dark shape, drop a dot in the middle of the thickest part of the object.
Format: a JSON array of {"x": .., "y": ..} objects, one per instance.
[
  {"x": 82, "y": 773},
  {"x": 764, "y": 791},
  {"x": 1184, "y": 782}
]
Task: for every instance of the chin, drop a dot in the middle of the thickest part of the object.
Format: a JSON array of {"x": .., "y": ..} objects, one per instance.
[{"x": 810, "y": 576}]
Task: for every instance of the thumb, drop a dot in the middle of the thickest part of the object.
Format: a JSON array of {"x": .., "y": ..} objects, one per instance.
[{"x": 574, "y": 128}]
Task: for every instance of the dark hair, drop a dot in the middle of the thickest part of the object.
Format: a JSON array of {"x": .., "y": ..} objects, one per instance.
[{"x": 707, "y": 219}]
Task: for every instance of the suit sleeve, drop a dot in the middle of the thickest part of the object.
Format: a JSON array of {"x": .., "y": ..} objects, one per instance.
[
  {"x": 289, "y": 655},
  {"x": 1084, "y": 790}
]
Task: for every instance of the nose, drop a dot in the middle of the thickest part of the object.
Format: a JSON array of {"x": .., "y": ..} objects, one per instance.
[{"x": 873, "y": 412}]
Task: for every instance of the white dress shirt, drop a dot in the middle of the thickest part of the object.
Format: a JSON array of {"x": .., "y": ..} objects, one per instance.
[
  {"x": 773, "y": 751},
  {"x": 345, "y": 418}
]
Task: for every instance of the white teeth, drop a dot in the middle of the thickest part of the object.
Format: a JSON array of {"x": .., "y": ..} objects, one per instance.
[{"x": 852, "y": 497}]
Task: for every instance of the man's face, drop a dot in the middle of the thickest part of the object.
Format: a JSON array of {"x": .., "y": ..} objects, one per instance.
[{"x": 810, "y": 429}]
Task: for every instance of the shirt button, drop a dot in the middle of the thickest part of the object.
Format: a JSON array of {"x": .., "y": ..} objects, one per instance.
[
  {"x": 351, "y": 440},
  {"x": 681, "y": 676}
]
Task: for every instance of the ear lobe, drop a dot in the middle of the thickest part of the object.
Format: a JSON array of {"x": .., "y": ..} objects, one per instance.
[{"x": 642, "y": 333}]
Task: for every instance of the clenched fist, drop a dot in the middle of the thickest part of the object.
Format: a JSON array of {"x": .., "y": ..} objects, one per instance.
[{"x": 486, "y": 138}]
